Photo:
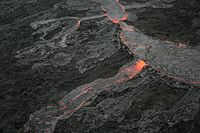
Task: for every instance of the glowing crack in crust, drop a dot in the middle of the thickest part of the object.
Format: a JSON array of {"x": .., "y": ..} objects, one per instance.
[{"x": 165, "y": 56}]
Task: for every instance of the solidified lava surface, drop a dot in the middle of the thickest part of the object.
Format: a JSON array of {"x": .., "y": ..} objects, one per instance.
[{"x": 103, "y": 66}]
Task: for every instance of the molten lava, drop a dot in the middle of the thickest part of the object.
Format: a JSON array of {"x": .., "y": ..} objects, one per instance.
[
  {"x": 130, "y": 72},
  {"x": 140, "y": 65},
  {"x": 133, "y": 70},
  {"x": 114, "y": 10},
  {"x": 46, "y": 118}
]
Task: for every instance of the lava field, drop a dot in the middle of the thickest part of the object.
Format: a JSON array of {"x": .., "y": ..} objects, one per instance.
[{"x": 100, "y": 66}]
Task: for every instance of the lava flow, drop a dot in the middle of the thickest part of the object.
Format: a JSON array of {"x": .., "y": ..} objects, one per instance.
[
  {"x": 46, "y": 118},
  {"x": 179, "y": 62},
  {"x": 114, "y": 10}
]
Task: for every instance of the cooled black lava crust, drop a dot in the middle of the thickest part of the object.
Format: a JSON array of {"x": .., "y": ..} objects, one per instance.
[{"x": 151, "y": 102}]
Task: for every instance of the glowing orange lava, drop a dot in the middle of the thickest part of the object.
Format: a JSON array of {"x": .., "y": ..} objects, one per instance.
[
  {"x": 125, "y": 17},
  {"x": 133, "y": 70},
  {"x": 130, "y": 72},
  {"x": 116, "y": 17},
  {"x": 47, "y": 118},
  {"x": 140, "y": 65},
  {"x": 124, "y": 11}
]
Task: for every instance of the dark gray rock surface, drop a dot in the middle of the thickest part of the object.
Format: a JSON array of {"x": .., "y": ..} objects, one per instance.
[{"x": 45, "y": 54}]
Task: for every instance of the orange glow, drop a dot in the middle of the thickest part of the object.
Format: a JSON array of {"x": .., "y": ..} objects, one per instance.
[
  {"x": 45, "y": 120},
  {"x": 125, "y": 17},
  {"x": 115, "y": 19},
  {"x": 131, "y": 71},
  {"x": 140, "y": 65},
  {"x": 109, "y": 17}
]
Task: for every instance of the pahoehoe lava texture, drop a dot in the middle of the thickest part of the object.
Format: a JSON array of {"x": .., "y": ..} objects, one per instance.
[{"x": 78, "y": 66}]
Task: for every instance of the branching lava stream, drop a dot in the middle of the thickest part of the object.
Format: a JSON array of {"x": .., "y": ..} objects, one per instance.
[{"x": 46, "y": 118}]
